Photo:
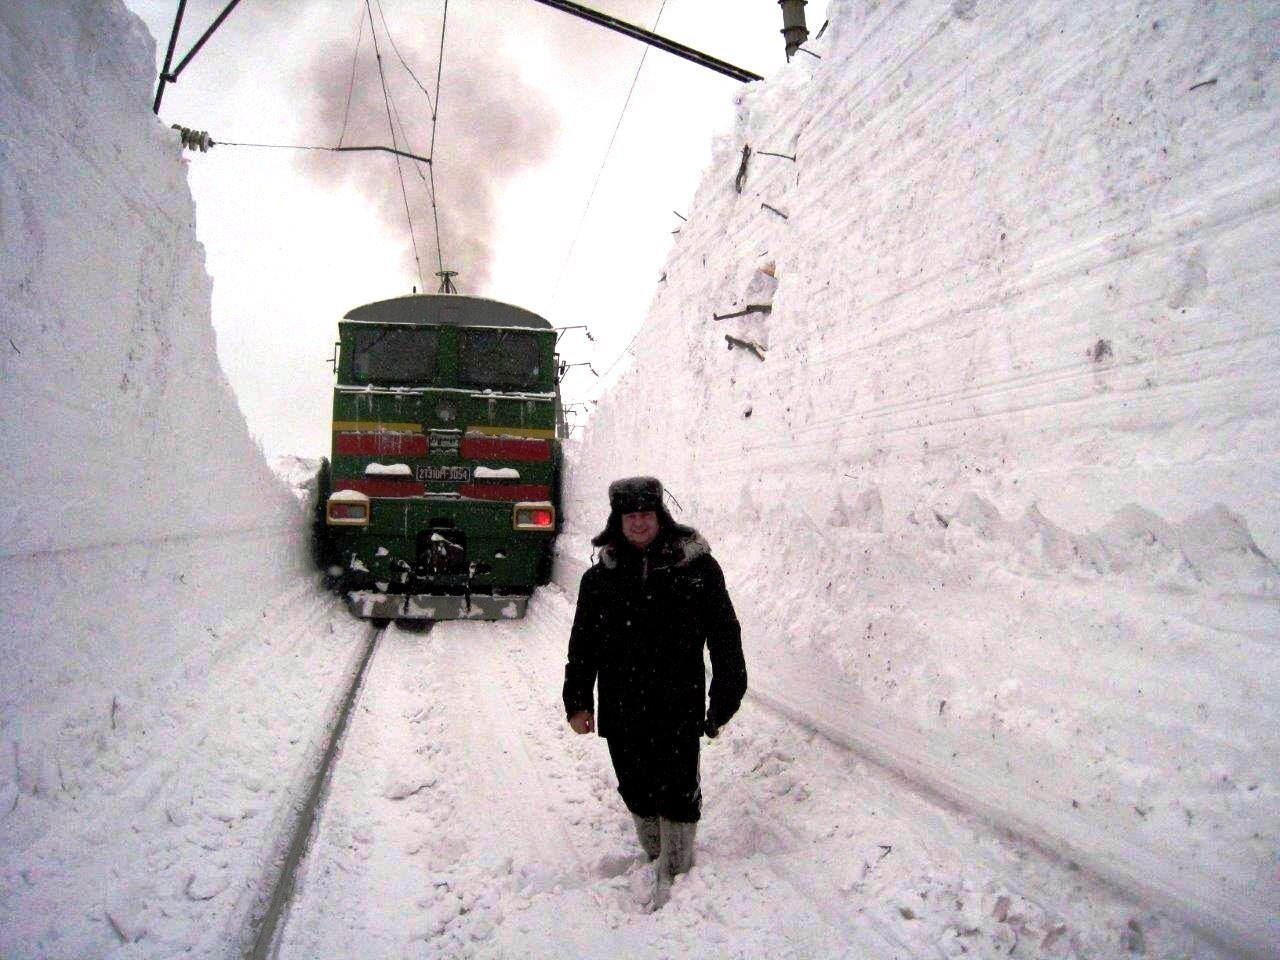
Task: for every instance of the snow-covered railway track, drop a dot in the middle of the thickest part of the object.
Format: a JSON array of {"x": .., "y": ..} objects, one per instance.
[
  {"x": 266, "y": 925},
  {"x": 444, "y": 818}
]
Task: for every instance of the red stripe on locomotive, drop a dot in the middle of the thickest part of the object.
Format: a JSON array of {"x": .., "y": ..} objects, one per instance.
[
  {"x": 380, "y": 444},
  {"x": 505, "y": 491},
  {"x": 503, "y": 448}
]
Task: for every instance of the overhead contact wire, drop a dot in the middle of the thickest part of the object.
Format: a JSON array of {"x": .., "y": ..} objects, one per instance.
[
  {"x": 435, "y": 119},
  {"x": 386, "y": 98},
  {"x": 604, "y": 162},
  {"x": 418, "y": 162},
  {"x": 408, "y": 69},
  {"x": 301, "y": 146},
  {"x": 351, "y": 85}
]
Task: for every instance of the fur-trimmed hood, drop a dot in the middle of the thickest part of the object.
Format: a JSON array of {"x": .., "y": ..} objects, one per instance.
[{"x": 676, "y": 546}]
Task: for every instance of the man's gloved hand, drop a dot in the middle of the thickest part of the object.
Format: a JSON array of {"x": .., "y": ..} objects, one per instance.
[
  {"x": 710, "y": 728},
  {"x": 584, "y": 721}
]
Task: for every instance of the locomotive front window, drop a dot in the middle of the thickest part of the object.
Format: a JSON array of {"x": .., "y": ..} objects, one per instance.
[
  {"x": 500, "y": 359},
  {"x": 394, "y": 355}
]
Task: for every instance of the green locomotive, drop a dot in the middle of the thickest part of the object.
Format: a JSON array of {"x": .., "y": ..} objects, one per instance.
[{"x": 441, "y": 498}]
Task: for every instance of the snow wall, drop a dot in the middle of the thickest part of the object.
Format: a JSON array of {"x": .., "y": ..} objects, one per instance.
[
  {"x": 992, "y": 456},
  {"x": 145, "y": 545}
]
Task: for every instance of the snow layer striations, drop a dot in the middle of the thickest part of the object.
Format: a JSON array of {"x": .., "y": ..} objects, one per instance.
[
  {"x": 991, "y": 450},
  {"x": 149, "y": 562}
]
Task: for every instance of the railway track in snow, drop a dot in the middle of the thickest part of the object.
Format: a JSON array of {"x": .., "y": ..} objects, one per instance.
[
  {"x": 266, "y": 926},
  {"x": 431, "y": 793}
]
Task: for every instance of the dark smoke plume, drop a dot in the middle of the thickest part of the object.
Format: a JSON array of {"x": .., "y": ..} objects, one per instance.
[{"x": 493, "y": 126}]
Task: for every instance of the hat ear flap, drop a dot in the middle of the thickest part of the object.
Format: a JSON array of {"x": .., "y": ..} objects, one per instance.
[{"x": 612, "y": 531}]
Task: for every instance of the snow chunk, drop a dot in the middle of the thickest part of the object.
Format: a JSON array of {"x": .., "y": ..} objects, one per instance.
[
  {"x": 349, "y": 496},
  {"x": 497, "y": 473},
  {"x": 402, "y": 784},
  {"x": 388, "y": 470},
  {"x": 1219, "y": 546},
  {"x": 206, "y": 884},
  {"x": 125, "y": 912},
  {"x": 762, "y": 286}
]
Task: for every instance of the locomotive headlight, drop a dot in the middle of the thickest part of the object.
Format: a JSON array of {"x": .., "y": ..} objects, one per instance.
[
  {"x": 533, "y": 516},
  {"x": 347, "y": 508}
]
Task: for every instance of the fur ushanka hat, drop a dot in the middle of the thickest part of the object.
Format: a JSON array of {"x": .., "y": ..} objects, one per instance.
[{"x": 635, "y": 495}]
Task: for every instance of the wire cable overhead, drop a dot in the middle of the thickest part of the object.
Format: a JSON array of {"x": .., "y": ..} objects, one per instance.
[
  {"x": 555, "y": 289},
  {"x": 386, "y": 99},
  {"x": 446, "y": 281},
  {"x": 429, "y": 180}
]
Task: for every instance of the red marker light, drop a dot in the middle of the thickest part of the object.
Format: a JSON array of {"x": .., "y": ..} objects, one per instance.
[{"x": 534, "y": 516}]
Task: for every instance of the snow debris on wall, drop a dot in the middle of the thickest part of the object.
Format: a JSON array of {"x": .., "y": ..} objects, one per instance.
[{"x": 1001, "y": 467}]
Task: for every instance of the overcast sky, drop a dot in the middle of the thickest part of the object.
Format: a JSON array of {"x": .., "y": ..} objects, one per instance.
[{"x": 528, "y": 103}]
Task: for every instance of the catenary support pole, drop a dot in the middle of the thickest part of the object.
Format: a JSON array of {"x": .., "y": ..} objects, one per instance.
[
  {"x": 168, "y": 56},
  {"x": 171, "y": 76},
  {"x": 794, "y": 29}
]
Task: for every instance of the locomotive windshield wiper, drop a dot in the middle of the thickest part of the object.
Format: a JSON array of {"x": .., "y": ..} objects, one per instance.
[{"x": 385, "y": 332}]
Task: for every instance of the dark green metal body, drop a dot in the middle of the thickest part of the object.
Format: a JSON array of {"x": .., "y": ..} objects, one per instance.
[{"x": 445, "y": 416}]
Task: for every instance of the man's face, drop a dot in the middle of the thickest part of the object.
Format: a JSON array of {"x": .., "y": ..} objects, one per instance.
[{"x": 640, "y": 528}]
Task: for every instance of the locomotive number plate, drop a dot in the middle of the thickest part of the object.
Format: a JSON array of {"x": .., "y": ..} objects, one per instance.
[{"x": 444, "y": 474}]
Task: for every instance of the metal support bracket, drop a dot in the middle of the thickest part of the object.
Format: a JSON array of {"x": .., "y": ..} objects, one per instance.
[{"x": 652, "y": 39}]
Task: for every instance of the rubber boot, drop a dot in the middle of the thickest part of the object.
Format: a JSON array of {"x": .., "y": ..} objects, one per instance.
[
  {"x": 649, "y": 834},
  {"x": 675, "y": 856}
]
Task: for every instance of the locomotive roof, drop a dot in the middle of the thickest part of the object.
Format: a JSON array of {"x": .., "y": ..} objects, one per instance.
[{"x": 449, "y": 309}]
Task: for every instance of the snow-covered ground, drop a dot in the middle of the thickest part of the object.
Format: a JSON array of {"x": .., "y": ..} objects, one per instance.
[
  {"x": 464, "y": 819},
  {"x": 996, "y": 506}
]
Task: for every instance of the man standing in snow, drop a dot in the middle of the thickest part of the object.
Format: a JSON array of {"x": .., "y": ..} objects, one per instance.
[{"x": 652, "y": 601}]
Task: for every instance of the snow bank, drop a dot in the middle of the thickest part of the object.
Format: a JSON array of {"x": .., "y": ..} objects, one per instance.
[
  {"x": 300, "y": 474},
  {"x": 992, "y": 443},
  {"x": 149, "y": 561}
]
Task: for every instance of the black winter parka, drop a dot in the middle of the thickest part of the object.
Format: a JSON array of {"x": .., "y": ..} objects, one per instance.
[{"x": 642, "y": 621}]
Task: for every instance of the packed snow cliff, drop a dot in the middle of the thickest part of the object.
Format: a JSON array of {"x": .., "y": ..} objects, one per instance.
[
  {"x": 153, "y": 572},
  {"x": 966, "y": 362}
]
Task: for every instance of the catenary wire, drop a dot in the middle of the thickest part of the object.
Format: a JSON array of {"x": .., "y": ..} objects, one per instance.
[
  {"x": 386, "y": 98},
  {"x": 351, "y": 85},
  {"x": 435, "y": 119},
  {"x": 404, "y": 132},
  {"x": 417, "y": 167},
  {"x": 600, "y": 382},
  {"x": 408, "y": 69},
  {"x": 428, "y": 179},
  {"x": 555, "y": 290}
]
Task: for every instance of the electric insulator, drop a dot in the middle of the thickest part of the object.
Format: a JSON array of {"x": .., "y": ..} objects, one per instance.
[{"x": 194, "y": 139}]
